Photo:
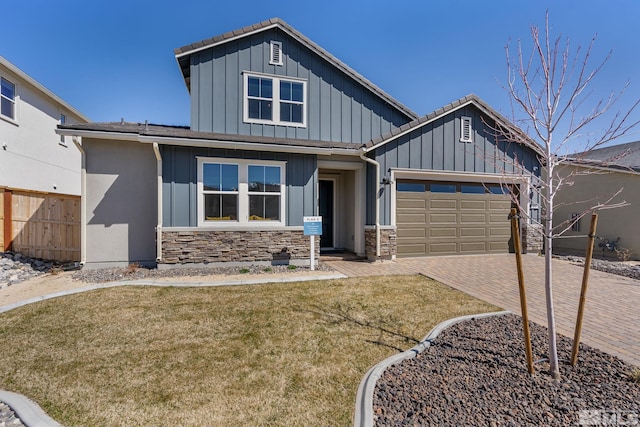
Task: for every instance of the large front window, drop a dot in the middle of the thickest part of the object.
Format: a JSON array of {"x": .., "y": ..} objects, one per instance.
[
  {"x": 236, "y": 192},
  {"x": 7, "y": 99},
  {"x": 274, "y": 100}
]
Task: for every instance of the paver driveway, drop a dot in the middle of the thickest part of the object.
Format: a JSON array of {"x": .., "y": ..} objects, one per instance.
[{"x": 612, "y": 312}]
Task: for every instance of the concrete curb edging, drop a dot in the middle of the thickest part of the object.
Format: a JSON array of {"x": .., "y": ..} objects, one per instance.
[
  {"x": 27, "y": 410},
  {"x": 363, "y": 416}
]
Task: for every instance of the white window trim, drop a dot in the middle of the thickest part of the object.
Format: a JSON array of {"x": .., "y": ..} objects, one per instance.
[
  {"x": 466, "y": 124},
  {"x": 275, "y": 48},
  {"x": 276, "y": 100},
  {"x": 14, "y": 119},
  {"x": 243, "y": 194}
]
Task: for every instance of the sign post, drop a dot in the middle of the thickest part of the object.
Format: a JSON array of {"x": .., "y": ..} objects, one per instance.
[{"x": 312, "y": 228}]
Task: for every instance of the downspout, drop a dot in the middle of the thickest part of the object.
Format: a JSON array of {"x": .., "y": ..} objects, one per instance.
[
  {"x": 77, "y": 141},
  {"x": 156, "y": 150},
  {"x": 364, "y": 157}
]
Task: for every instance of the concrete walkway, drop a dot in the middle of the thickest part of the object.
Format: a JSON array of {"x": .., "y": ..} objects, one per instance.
[{"x": 612, "y": 313}]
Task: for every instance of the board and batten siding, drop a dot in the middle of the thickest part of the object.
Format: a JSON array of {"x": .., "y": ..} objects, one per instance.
[
  {"x": 436, "y": 146},
  {"x": 339, "y": 109},
  {"x": 180, "y": 179}
]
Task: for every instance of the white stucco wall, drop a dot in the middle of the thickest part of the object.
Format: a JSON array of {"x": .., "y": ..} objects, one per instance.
[{"x": 32, "y": 155}]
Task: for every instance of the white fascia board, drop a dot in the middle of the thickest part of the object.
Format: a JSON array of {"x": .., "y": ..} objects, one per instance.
[{"x": 233, "y": 145}]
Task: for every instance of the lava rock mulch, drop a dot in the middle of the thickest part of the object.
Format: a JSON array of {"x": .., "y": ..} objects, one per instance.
[{"x": 475, "y": 373}]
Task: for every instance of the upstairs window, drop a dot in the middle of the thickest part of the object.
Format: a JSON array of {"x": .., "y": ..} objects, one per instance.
[
  {"x": 466, "y": 133},
  {"x": 275, "y": 100},
  {"x": 7, "y": 99}
]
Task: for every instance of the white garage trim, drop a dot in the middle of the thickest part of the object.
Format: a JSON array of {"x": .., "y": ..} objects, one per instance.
[{"x": 434, "y": 175}]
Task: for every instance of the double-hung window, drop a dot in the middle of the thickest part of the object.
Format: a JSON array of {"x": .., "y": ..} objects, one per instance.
[
  {"x": 240, "y": 192},
  {"x": 275, "y": 100},
  {"x": 7, "y": 99}
]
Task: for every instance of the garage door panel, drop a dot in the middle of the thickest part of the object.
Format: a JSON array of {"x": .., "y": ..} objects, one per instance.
[
  {"x": 473, "y": 232},
  {"x": 473, "y": 205},
  {"x": 501, "y": 247},
  {"x": 412, "y": 249},
  {"x": 443, "y": 204},
  {"x": 443, "y": 218},
  {"x": 500, "y": 205},
  {"x": 500, "y": 232},
  {"x": 502, "y": 218},
  {"x": 412, "y": 204},
  {"x": 439, "y": 232},
  {"x": 473, "y": 247},
  {"x": 444, "y": 248},
  {"x": 412, "y": 218},
  {"x": 418, "y": 232},
  {"x": 467, "y": 218}
]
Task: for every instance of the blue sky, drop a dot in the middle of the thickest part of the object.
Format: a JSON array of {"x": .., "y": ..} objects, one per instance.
[{"x": 114, "y": 59}]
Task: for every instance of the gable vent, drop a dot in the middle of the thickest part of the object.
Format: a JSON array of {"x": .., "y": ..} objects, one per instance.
[
  {"x": 466, "y": 134},
  {"x": 276, "y": 53}
]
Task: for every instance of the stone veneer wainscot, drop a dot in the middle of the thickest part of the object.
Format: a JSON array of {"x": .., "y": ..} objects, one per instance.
[
  {"x": 213, "y": 246},
  {"x": 388, "y": 242}
]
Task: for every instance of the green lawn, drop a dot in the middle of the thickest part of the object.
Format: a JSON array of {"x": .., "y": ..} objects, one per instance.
[{"x": 275, "y": 354}]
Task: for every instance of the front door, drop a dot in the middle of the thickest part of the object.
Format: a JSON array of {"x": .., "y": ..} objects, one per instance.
[{"x": 326, "y": 211}]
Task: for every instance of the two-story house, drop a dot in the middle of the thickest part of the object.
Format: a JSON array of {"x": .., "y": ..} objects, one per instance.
[
  {"x": 39, "y": 170},
  {"x": 281, "y": 129}
]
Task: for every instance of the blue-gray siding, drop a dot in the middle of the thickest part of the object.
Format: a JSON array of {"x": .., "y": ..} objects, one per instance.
[
  {"x": 437, "y": 146},
  {"x": 339, "y": 109},
  {"x": 180, "y": 175}
]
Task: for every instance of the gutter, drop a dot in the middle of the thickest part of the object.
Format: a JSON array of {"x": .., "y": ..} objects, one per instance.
[
  {"x": 156, "y": 150},
  {"x": 77, "y": 141},
  {"x": 377, "y": 165}
]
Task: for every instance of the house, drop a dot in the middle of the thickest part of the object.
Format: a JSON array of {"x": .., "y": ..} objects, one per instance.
[
  {"x": 39, "y": 170},
  {"x": 596, "y": 177},
  {"x": 281, "y": 129}
]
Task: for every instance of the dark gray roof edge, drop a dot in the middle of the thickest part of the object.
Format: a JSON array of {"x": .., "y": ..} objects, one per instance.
[
  {"x": 442, "y": 111},
  {"x": 184, "y": 132},
  {"x": 626, "y": 156},
  {"x": 269, "y": 23}
]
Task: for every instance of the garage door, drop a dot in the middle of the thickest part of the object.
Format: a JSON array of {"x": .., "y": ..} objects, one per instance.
[{"x": 443, "y": 218}]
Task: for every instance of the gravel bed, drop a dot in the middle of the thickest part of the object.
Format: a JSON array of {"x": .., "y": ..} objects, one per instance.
[
  {"x": 103, "y": 275},
  {"x": 613, "y": 267},
  {"x": 475, "y": 373}
]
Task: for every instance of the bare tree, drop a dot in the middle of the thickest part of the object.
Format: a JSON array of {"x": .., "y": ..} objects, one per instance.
[{"x": 549, "y": 88}]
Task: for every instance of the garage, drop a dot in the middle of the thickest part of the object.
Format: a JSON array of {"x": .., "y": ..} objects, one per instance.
[{"x": 451, "y": 218}]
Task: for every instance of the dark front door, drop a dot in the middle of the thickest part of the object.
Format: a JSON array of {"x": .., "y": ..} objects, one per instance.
[{"x": 326, "y": 211}]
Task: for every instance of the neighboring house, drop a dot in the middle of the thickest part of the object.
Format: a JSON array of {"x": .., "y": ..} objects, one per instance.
[
  {"x": 281, "y": 129},
  {"x": 598, "y": 175},
  {"x": 39, "y": 170}
]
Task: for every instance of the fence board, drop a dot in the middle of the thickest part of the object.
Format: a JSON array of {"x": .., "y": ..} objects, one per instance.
[
  {"x": 46, "y": 226},
  {"x": 1, "y": 219}
]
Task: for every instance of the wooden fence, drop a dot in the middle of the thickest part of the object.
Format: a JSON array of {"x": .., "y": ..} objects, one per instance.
[{"x": 43, "y": 226}]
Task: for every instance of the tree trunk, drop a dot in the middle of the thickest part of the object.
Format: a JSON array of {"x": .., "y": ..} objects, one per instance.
[{"x": 548, "y": 275}]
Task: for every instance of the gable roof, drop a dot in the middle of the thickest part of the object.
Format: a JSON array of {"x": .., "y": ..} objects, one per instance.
[
  {"x": 620, "y": 157},
  {"x": 184, "y": 53},
  {"x": 514, "y": 133},
  {"x": 31, "y": 81}
]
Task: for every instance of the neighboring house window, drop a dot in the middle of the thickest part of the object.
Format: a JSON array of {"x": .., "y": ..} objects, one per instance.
[
  {"x": 8, "y": 99},
  {"x": 466, "y": 134},
  {"x": 241, "y": 192},
  {"x": 575, "y": 222},
  {"x": 275, "y": 53},
  {"x": 63, "y": 120},
  {"x": 275, "y": 100}
]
